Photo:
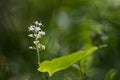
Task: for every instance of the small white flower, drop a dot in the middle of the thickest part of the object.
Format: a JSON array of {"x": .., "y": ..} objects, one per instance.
[
  {"x": 30, "y": 47},
  {"x": 31, "y": 28},
  {"x": 36, "y": 22},
  {"x": 35, "y": 42},
  {"x": 37, "y": 29},
  {"x": 43, "y": 47},
  {"x": 40, "y": 24},
  {"x": 41, "y": 33},
  {"x": 30, "y": 35}
]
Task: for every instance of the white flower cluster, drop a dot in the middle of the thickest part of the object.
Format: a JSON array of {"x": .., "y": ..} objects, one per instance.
[{"x": 36, "y": 33}]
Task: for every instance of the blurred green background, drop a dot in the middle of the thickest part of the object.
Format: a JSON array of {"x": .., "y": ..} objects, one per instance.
[{"x": 70, "y": 25}]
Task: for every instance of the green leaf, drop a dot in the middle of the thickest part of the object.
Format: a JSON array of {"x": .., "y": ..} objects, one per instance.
[{"x": 64, "y": 62}]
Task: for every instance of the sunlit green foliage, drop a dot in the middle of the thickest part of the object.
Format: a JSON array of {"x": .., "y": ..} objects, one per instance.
[{"x": 64, "y": 62}]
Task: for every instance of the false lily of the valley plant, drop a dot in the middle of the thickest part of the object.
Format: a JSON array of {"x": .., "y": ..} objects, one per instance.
[
  {"x": 36, "y": 33},
  {"x": 56, "y": 64}
]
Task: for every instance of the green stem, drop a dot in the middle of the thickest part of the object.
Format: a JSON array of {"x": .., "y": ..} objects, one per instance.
[
  {"x": 46, "y": 76},
  {"x": 38, "y": 54},
  {"x": 81, "y": 73}
]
